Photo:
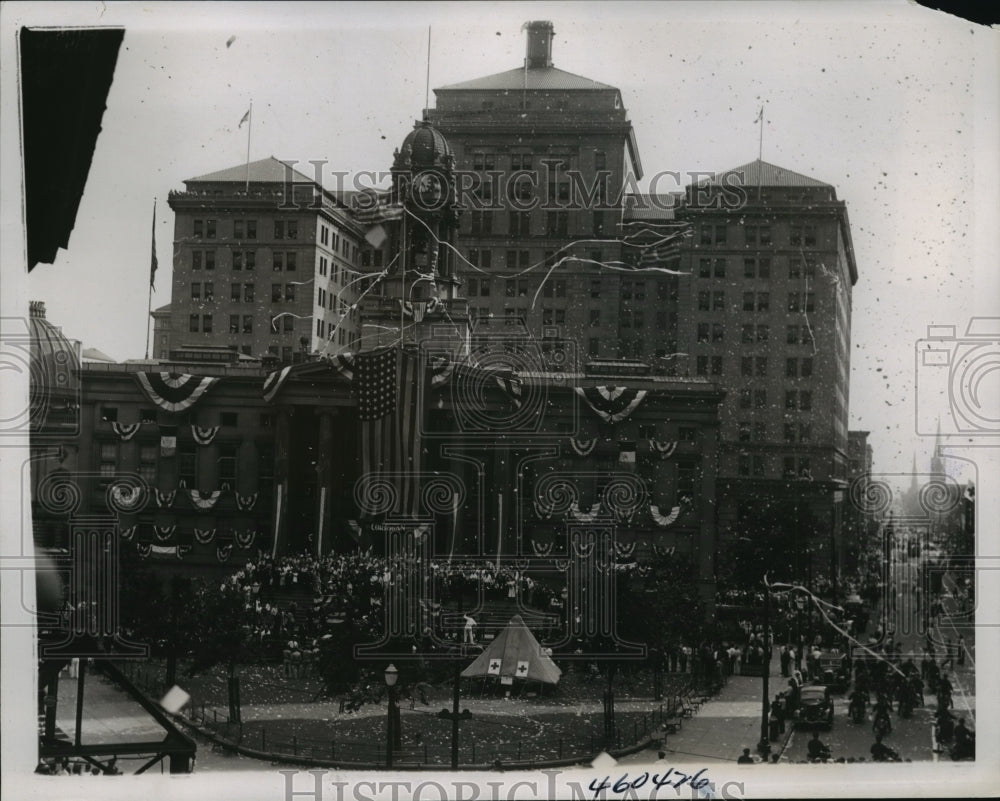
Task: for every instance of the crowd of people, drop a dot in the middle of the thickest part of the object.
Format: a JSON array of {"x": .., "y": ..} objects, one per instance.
[{"x": 76, "y": 767}]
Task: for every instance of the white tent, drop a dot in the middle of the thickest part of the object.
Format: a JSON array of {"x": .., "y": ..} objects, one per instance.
[{"x": 515, "y": 654}]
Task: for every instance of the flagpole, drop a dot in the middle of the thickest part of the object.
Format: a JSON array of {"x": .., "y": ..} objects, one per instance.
[
  {"x": 152, "y": 277},
  {"x": 760, "y": 148},
  {"x": 249, "y": 128},
  {"x": 427, "y": 86}
]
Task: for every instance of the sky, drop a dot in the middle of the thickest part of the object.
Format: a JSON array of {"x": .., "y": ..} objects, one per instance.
[{"x": 892, "y": 104}]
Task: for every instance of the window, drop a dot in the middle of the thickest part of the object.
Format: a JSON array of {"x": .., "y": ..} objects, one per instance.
[
  {"x": 598, "y": 222},
  {"x": 747, "y": 334},
  {"x": 704, "y": 300},
  {"x": 482, "y": 222},
  {"x": 560, "y": 316},
  {"x": 228, "y": 419},
  {"x": 791, "y": 368},
  {"x": 484, "y": 161},
  {"x": 248, "y": 293},
  {"x": 196, "y": 259},
  {"x": 275, "y": 293},
  {"x": 744, "y": 464},
  {"x": 713, "y": 234},
  {"x": 686, "y": 477},
  {"x": 518, "y": 258},
  {"x": 209, "y": 259},
  {"x": 109, "y": 414},
  {"x": 206, "y": 323},
  {"x": 792, "y": 337},
  {"x": 210, "y": 229},
  {"x": 760, "y": 398},
  {"x": 234, "y": 323},
  {"x": 758, "y": 465},
  {"x": 760, "y": 431},
  {"x": 746, "y": 398},
  {"x": 718, "y": 301},
  {"x": 717, "y": 332},
  {"x": 760, "y": 362},
  {"x": 789, "y": 432},
  {"x": 195, "y": 291},
  {"x": 199, "y": 228},
  {"x": 286, "y": 352},
  {"x": 289, "y": 293},
  {"x": 594, "y": 346},
  {"x": 595, "y": 318},
  {"x": 763, "y": 301},
  {"x": 793, "y": 301},
  {"x": 548, "y": 317},
  {"x": 701, "y": 365},
  {"x": 208, "y": 290},
  {"x": 746, "y": 366},
  {"x": 806, "y": 369},
  {"x": 247, "y": 324},
  {"x": 234, "y": 292},
  {"x": 290, "y": 261},
  {"x": 804, "y": 467},
  {"x": 193, "y": 322},
  {"x": 791, "y": 399},
  {"x": 251, "y": 229},
  {"x": 748, "y": 301},
  {"x": 147, "y": 463},
  {"x": 639, "y": 318},
  {"x": 805, "y": 432},
  {"x": 595, "y": 287},
  {"x": 237, "y": 260},
  {"x": 187, "y": 464},
  {"x": 561, "y": 288},
  {"x": 716, "y": 365},
  {"x": 288, "y": 324},
  {"x": 520, "y": 222},
  {"x": 556, "y": 223},
  {"x": 809, "y": 235},
  {"x": 704, "y": 268},
  {"x": 743, "y": 428},
  {"x": 763, "y": 333},
  {"x": 805, "y": 400},
  {"x": 703, "y": 332}
]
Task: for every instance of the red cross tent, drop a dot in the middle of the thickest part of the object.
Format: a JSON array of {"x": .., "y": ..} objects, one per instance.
[{"x": 514, "y": 653}]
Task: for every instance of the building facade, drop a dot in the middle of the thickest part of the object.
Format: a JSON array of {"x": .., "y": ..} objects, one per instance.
[{"x": 262, "y": 261}]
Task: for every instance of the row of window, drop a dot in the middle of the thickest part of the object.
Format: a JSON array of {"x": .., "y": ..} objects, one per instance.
[
  {"x": 756, "y": 465},
  {"x": 488, "y": 160},
  {"x": 757, "y": 267},
  {"x": 203, "y": 324},
  {"x": 751, "y": 333},
  {"x": 519, "y": 223},
  {"x": 754, "y": 366},
  {"x": 756, "y": 235},
  {"x": 245, "y": 260},
  {"x": 245, "y": 229},
  {"x": 756, "y": 431}
]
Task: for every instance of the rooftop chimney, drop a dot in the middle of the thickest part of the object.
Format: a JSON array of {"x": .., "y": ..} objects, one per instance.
[{"x": 539, "y": 44}]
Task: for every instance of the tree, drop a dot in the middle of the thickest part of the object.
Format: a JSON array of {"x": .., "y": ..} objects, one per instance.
[{"x": 659, "y": 603}]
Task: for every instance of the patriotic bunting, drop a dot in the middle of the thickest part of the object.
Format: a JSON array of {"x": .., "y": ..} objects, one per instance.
[
  {"x": 125, "y": 430},
  {"x": 127, "y": 533},
  {"x": 143, "y": 549},
  {"x": 623, "y": 550},
  {"x": 204, "y": 535},
  {"x": 585, "y": 517},
  {"x": 164, "y": 533},
  {"x": 203, "y": 501},
  {"x": 165, "y": 499},
  {"x": 204, "y": 435},
  {"x": 127, "y": 498},
  {"x": 244, "y": 540},
  {"x": 222, "y": 552},
  {"x": 343, "y": 363},
  {"x": 612, "y": 404},
  {"x": 274, "y": 382},
  {"x": 174, "y": 392},
  {"x": 582, "y": 447},
  {"x": 664, "y": 520},
  {"x": 665, "y": 449},
  {"x": 246, "y": 503},
  {"x": 542, "y": 549},
  {"x": 442, "y": 369}
]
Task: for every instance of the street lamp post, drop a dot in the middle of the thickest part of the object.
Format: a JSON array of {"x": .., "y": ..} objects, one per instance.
[
  {"x": 391, "y": 725},
  {"x": 454, "y": 715},
  {"x": 764, "y": 746}
]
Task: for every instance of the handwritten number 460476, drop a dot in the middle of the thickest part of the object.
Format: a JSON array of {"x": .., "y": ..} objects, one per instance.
[{"x": 672, "y": 778}]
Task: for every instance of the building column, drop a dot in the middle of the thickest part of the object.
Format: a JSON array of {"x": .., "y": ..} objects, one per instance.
[
  {"x": 282, "y": 450},
  {"x": 324, "y": 478}
]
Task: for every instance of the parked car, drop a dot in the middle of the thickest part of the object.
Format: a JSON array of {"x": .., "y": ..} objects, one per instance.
[{"x": 815, "y": 706}]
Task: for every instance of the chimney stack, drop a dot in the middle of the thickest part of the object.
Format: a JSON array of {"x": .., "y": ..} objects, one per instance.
[{"x": 539, "y": 44}]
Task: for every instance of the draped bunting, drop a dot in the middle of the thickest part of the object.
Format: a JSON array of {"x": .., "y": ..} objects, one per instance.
[
  {"x": 623, "y": 550},
  {"x": 164, "y": 533},
  {"x": 664, "y": 551},
  {"x": 222, "y": 552},
  {"x": 127, "y": 533},
  {"x": 585, "y": 517},
  {"x": 612, "y": 404},
  {"x": 165, "y": 498},
  {"x": 127, "y": 498},
  {"x": 203, "y": 501},
  {"x": 245, "y": 539},
  {"x": 582, "y": 447},
  {"x": 274, "y": 382},
  {"x": 442, "y": 369},
  {"x": 204, "y": 435},
  {"x": 418, "y": 309},
  {"x": 174, "y": 392},
  {"x": 542, "y": 549},
  {"x": 125, "y": 430},
  {"x": 510, "y": 384},
  {"x": 204, "y": 535},
  {"x": 143, "y": 549},
  {"x": 665, "y": 448},
  {"x": 664, "y": 520},
  {"x": 343, "y": 363},
  {"x": 246, "y": 503}
]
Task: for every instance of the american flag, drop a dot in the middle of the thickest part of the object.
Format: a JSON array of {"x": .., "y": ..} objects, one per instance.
[
  {"x": 387, "y": 391},
  {"x": 371, "y": 208},
  {"x": 664, "y": 251}
]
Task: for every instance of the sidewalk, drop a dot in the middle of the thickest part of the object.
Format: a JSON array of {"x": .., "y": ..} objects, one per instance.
[{"x": 724, "y": 726}]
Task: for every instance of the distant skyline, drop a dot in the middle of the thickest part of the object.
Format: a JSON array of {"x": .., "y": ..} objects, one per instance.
[{"x": 892, "y": 104}]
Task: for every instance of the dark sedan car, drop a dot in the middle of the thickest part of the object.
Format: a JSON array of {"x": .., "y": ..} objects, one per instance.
[{"x": 815, "y": 706}]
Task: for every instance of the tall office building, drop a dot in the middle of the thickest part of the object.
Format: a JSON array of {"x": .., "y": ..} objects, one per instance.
[
  {"x": 262, "y": 255},
  {"x": 547, "y": 153},
  {"x": 765, "y": 308}
]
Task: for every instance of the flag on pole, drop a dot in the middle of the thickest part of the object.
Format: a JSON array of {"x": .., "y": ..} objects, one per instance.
[
  {"x": 760, "y": 116},
  {"x": 386, "y": 387},
  {"x": 245, "y": 118},
  {"x": 153, "y": 264}
]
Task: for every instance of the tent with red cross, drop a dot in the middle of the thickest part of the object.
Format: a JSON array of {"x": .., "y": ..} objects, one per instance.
[{"x": 514, "y": 654}]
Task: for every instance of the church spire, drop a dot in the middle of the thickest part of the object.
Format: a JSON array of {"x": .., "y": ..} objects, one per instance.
[{"x": 937, "y": 459}]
